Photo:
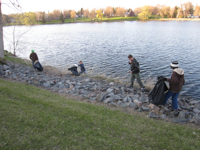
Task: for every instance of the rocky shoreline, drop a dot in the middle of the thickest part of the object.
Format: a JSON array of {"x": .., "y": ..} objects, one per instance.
[{"x": 109, "y": 93}]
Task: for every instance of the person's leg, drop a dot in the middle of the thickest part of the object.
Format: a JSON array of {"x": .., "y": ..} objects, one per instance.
[
  {"x": 132, "y": 79},
  {"x": 139, "y": 80},
  {"x": 167, "y": 96},
  {"x": 33, "y": 64},
  {"x": 175, "y": 101}
]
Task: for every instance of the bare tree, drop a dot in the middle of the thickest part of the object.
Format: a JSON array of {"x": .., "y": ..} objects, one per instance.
[{"x": 1, "y": 35}]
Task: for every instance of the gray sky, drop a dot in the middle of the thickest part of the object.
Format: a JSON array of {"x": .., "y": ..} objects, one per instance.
[{"x": 50, "y": 5}]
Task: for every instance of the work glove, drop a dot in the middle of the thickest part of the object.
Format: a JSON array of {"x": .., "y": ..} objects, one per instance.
[{"x": 164, "y": 79}]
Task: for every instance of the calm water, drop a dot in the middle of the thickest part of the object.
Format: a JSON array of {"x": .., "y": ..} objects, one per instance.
[{"x": 103, "y": 47}]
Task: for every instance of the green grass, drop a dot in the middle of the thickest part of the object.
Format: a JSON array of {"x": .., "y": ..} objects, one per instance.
[
  {"x": 31, "y": 118},
  {"x": 10, "y": 57}
]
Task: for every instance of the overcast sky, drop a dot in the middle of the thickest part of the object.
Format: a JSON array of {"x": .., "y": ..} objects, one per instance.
[{"x": 49, "y": 5}]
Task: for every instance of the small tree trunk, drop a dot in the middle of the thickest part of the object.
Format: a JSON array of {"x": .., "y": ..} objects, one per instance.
[{"x": 1, "y": 35}]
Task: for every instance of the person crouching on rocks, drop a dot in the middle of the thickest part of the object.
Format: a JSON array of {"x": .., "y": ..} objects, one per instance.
[
  {"x": 135, "y": 72},
  {"x": 73, "y": 69},
  {"x": 33, "y": 56},
  {"x": 82, "y": 67},
  {"x": 176, "y": 83}
]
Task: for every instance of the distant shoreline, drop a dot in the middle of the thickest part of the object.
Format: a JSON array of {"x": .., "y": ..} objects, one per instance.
[{"x": 85, "y": 20}]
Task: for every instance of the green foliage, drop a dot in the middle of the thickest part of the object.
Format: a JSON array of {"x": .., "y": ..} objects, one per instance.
[
  {"x": 27, "y": 18},
  {"x": 10, "y": 57},
  {"x": 32, "y": 118},
  {"x": 145, "y": 14}
]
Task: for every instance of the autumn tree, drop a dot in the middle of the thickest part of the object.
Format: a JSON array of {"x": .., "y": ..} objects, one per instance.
[
  {"x": 120, "y": 11},
  {"x": 86, "y": 13},
  {"x": 73, "y": 14},
  {"x": 188, "y": 8},
  {"x": 166, "y": 11},
  {"x": 108, "y": 12},
  {"x": 56, "y": 14},
  {"x": 144, "y": 15},
  {"x": 137, "y": 10},
  {"x": 99, "y": 14},
  {"x": 61, "y": 18},
  {"x": 197, "y": 11},
  {"x": 172, "y": 11},
  {"x": 92, "y": 14},
  {"x": 66, "y": 14}
]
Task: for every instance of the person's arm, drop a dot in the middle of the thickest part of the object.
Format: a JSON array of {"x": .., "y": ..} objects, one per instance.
[
  {"x": 30, "y": 56},
  {"x": 173, "y": 79}
]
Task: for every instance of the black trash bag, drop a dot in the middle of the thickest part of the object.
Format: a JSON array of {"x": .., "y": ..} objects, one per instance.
[
  {"x": 74, "y": 71},
  {"x": 157, "y": 95},
  {"x": 38, "y": 66}
]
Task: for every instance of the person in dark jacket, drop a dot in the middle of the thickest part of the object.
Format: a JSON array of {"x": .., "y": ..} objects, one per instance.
[
  {"x": 135, "y": 71},
  {"x": 33, "y": 56},
  {"x": 82, "y": 67},
  {"x": 73, "y": 69},
  {"x": 176, "y": 83}
]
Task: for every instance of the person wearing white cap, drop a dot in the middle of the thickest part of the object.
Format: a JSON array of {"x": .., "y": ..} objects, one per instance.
[{"x": 176, "y": 83}]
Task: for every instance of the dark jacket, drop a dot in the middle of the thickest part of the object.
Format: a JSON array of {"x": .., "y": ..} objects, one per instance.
[
  {"x": 33, "y": 57},
  {"x": 135, "y": 68},
  {"x": 176, "y": 81},
  {"x": 82, "y": 67}
]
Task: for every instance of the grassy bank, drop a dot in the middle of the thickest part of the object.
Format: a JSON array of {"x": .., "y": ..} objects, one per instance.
[{"x": 32, "y": 118}]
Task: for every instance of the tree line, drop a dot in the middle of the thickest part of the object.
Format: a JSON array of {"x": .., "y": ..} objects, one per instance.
[{"x": 185, "y": 10}]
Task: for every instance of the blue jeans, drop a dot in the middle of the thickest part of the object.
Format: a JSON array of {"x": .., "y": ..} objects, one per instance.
[
  {"x": 33, "y": 64},
  {"x": 174, "y": 99}
]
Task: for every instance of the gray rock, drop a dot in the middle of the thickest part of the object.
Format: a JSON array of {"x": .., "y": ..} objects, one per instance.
[
  {"x": 109, "y": 90},
  {"x": 145, "y": 108},
  {"x": 47, "y": 84},
  {"x": 113, "y": 104},
  {"x": 52, "y": 83},
  {"x": 2, "y": 72},
  {"x": 101, "y": 97},
  {"x": 178, "y": 120},
  {"x": 196, "y": 111},
  {"x": 61, "y": 86},
  {"x": 122, "y": 90},
  {"x": 194, "y": 102},
  {"x": 197, "y": 106},
  {"x": 139, "y": 109},
  {"x": 133, "y": 105},
  {"x": 163, "y": 116},
  {"x": 108, "y": 100},
  {"x": 14, "y": 76},
  {"x": 93, "y": 98},
  {"x": 61, "y": 91},
  {"x": 111, "y": 83},
  {"x": 123, "y": 104},
  {"x": 143, "y": 99},
  {"x": 153, "y": 115},
  {"x": 127, "y": 99},
  {"x": 181, "y": 115}
]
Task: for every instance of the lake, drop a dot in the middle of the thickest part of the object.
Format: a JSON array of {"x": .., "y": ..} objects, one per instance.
[{"x": 104, "y": 47}]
